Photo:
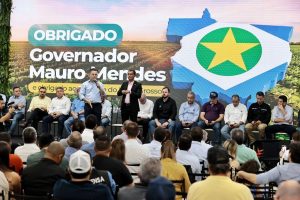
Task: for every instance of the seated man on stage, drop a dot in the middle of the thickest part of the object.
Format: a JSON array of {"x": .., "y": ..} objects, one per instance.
[
  {"x": 145, "y": 114},
  {"x": 4, "y": 116},
  {"x": 188, "y": 114},
  {"x": 259, "y": 116},
  {"x": 77, "y": 112},
  {"x": 235, "y": 117},
  {"x": 282, "y": 117},
  {"x": 106, "y": 111},
  {"x": 17, "y": 101},
  {"x": 37, "y": 109},
  {"x": 212, "y": 113},
  {"x": 164, "y": 112},
  {"x": 58, "y": 111}
]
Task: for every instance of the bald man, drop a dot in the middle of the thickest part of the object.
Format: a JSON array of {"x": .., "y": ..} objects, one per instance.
[
  {"x": 288, "y": 190},
  {"x": 40, "y": 178},
  {"x": 75, "y": 142}
]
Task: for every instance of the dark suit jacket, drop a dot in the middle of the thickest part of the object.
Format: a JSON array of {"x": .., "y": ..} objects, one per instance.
[{"x": 136, "y": 92}]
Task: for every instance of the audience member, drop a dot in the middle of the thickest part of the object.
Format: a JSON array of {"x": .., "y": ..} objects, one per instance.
[
  {"x": 40, "y": 178},
  {"x": 118, "y": 150},
  {"x": 102, "y": 161},
  {"x": 160, "y": 188},
  {"x": 74, "y": 142},
  {"x": 90, "y": 124},
  {"x": 154, "y": 146},
  {"x": 78, "y": 125},
  {"x": 106, "y": 111},
  {"x": 29, "y": 147},
  {"x": 288, "y": 190},
  {"x": 149, "y": 169},
  {"x": 218, "y": 185},
  {"x": 80, "y": 187},
  {"x": 231, "y": 147}
]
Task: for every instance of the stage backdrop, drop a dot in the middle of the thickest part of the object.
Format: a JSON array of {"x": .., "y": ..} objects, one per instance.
[{"x": 232, "y": 47}]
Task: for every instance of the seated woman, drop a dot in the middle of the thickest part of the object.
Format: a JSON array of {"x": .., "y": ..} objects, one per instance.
[
  {"x": 12, "y": 177},
  {"x": 231, "y": 147},
  {"x": 171, "y": 169},
  {"x": 118, "y": 150}
]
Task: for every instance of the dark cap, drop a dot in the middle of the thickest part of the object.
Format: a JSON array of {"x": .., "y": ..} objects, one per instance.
[
  {"x": 213, "y": 95},
  {"x": 160, "y": 188}
]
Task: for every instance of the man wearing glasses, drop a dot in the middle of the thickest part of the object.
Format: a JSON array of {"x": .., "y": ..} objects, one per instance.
[{"x": 38, "y": 109}]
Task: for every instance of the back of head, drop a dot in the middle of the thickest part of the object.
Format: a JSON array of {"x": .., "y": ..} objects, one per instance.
[
  {"x": 159, "y": 134},
  {"x": 150, "y": 168},
  {"x": 80, "y": 165},
  {"x": 132, "y": 129},
  {"x": 296, "y": 136},
  {"x": 78, "y": 125},
  {"x": 75, "y": 140},
  {"x": 100, "y": 130},
  {"x": 160, "y": 188},
  {"x": 54, "y": 150},
  {"x": 125, "y": 123},
  {"x": 102, "y": 143},
  {"x": 168, "y": 150},
  {"x": 185, "y": 142},
  {"x": 44, "y": 140},
  {"x": 251, "y": 166},
  {"x": 91, "y": 121},
  {"x": 288, "y": 190},
  {"x": 218, "y": 160},
  {"x": 295, "y": 152},
  {"x": 4, "y": 155},
  {"x": 29, "y": 135},
  {"x": 231, "y": 147},
  {"x": 118, "y": 150},
  {"x": 5, "y": 137},
  {"x": 237, "y": 135},
  {"x": 197, "y": 134}
]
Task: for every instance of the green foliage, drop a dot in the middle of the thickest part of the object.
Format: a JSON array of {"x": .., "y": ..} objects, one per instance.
[{"x": 5, "y": 33}]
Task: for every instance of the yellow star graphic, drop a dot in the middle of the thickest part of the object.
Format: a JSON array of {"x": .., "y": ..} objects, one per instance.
[{"x": 228, "y": 50}]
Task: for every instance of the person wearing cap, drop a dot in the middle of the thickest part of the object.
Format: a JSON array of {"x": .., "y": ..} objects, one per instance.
[
  {"x": 218, "y": 185},
  {"x": 212, "y": 113},
  {"x": 80, "y": 187},
  {"x": 235, "y": 116},
  {"x": 40, "y": 178},
  {"x": 77, "y": 112}
]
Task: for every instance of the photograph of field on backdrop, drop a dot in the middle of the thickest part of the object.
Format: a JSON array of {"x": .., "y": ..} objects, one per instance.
[{"x": 150, "y": 55}]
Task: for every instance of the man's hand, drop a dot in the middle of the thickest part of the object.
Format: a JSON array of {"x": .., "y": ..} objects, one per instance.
[
  {"x": 212, "y": 122},
  {"x": 89, "y": 102},
  {"x": 258, "y": 122},
  {"x": 206, "y": 122},
  {"x": 253, "y": 123},
  {"x": 165, "y": 124},
  {"x": 158, "y": 124},
  {"x": 11, "y": 110}
]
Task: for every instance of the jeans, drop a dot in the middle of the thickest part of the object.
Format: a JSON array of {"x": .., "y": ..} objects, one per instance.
[
  {"x": 17, "y": 117},
  {"x": 225, "y": 131},
  {"x": 68, "y": 123},
  {"x": 152, "y": 125},
  {"x": 49, "y": 119},
  {"x": 217, "y": 131},
  {"x": 105, "y": 122},
  {"x": 179, "y": 127}
]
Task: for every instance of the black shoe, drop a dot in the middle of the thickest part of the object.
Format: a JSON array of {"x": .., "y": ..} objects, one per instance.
[{"x": 24, "y": 125}]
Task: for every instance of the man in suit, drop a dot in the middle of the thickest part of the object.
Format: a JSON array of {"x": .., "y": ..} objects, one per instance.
[{"x": 130, "y": 91}]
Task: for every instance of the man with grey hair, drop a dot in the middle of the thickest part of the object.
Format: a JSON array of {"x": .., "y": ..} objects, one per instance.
[
  {"x": 188, "y": 114},
  {"x": 75, "y": 142},
  {"x": 150, "y": 168},
  {"x": 288, "y": 190},
  {"x": 243, "y": 153},
  {"x": 29, "y": 147}
]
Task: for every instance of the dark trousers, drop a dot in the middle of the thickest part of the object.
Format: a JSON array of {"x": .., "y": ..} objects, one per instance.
[
  {"x": 49, "y": 119},
  {"x": 96, "y": 110},
  {"x": 128, "y": 113},
  {"x": 179, "y": 127},
  {"x": 271, "y": 130},
  {"x": 35, "y": 116},
  {"x": 145, "y": 124}
]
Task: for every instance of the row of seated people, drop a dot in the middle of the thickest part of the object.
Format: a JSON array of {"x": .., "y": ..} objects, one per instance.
[
  {"x": 121, "y": 157},
  {"x": 162, "y": 113}
]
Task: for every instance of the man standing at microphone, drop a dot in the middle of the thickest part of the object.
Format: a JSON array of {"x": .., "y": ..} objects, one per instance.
[
  {"x": 130, "y": 91},
  {"x": 90, "y": 92}
]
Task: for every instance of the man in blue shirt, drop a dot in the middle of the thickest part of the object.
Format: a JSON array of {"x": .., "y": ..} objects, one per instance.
[
  {"x": 17, "y": 101},
  {"x": 77, "y": 112},
  {"x": 188, "y": 114},
  {"x": 90, "y": 92}
]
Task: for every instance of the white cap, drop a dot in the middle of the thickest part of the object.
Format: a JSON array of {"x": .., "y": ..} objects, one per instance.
[{"x": 80, "y": 162}]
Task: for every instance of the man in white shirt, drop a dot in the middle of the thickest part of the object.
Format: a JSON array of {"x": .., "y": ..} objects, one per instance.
[
  {"x": 106, "y": 111},
  {"x": 90, "y": 124},
  {"x": 29, "y": 147},
  {"x": 282, "y": 117},
  {"x": 135, "y": 153},
  {"x": 235, "y": 116},
  {"x": 145, "y": 114},
  {"x": 184, "y": 157},
  {"x": 57, "y": 111},
  {"x": 155, "y": 145},
  {"x": 199, "y": 148}
]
